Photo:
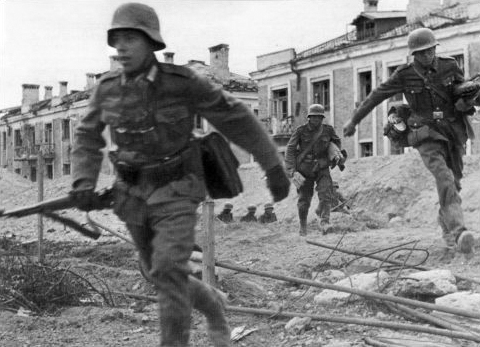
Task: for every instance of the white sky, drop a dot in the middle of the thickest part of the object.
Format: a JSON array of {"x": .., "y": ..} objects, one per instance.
[{"x": 47, "y": 41}]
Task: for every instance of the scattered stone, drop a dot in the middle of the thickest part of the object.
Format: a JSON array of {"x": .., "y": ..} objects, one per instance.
[
  {"x": 431, "y": 283},
  {"x": 298, "y": 324},
  {"x": 463, "y": 300},
  {"x": 369, "y": 282},
  {"x": 395, "y": 220}
]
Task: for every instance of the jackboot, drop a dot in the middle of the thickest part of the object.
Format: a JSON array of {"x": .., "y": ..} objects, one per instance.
[
  {"x": 465, "y": 242},
  {"x": 302, "y": 216},
  {"x": 211, "y": 302}
]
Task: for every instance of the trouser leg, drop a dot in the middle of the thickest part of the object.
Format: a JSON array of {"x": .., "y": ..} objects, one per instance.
[
  {"x": 450, "y": 214},
  {"x": 325, "y": 196},
  {"x": 208, "y": 301},
  {"x": 305, "y": 194},
  {"x": 169, "y": 246}
]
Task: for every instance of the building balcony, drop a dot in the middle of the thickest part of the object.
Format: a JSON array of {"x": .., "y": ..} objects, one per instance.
[{"x": 31, "y": 152}]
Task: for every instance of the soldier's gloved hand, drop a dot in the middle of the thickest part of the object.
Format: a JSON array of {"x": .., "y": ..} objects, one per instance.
[
  {"x": 84, "y": 195},
  {"x": 278, "y": 182},
  {"x": 349, "y": 128}
]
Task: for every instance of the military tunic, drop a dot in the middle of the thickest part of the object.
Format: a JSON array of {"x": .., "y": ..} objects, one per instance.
[
  {"x": 151, "y": 119},
  {"x": 442, "y": 150},
  {"x": 269, "y": 217},
  {"x": 249, "y": 217},
  {"x": 315, "y": 167}
]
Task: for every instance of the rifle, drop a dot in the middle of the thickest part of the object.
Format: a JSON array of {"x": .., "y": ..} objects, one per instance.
[{"x": 103, "y": 199}]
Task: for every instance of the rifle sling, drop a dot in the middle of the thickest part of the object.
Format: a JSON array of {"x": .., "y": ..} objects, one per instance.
[
  {"x": 429, "y": 85},
  {"x": 309, "y": 147}
]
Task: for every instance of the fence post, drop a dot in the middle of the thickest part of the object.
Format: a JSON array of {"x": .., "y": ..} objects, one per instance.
[
  {"x": 40, "y": 198},
  {"x": 208, "y": 271}
]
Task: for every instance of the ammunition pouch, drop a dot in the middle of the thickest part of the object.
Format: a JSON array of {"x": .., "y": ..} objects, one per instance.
[
  {"x": 219, "y": 167},
  {"x": 417, "y": 135}
]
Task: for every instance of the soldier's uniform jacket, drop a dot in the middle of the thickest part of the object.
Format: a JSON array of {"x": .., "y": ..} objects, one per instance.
[
  {"x": 268, "y": 218},
  {"x": 152, "y": 117},
  {"x": 318, "y": 154},
  {"x": 225, "y": 216},
  {"x": 249, "y": 217},
  {"x": 444, "y": 75}
]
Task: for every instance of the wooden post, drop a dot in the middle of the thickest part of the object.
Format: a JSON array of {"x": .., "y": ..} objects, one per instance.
[
  {"x": 208, "y": 272},
  {"x": 40, "y": 165}
]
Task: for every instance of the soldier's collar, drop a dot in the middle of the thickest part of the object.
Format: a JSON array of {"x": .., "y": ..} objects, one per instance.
[
  {"x": 149, "y": 76},
  {"x": 423, "y": 70}
]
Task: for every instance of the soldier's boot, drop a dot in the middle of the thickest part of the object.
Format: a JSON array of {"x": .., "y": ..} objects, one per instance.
[
  {"x": 302, "y": 216},
  {"x": 211, "y": 302},
  {"x": 465, "y": 243},
  {"x": 324, "y": 226},
  {"x": 448, "y": 254}
]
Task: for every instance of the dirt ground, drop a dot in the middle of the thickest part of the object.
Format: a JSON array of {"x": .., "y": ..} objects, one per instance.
[{"x": 378, "y": 188}]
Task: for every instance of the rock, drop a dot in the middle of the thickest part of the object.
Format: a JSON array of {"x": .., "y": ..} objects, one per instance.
[
  {"x": 297, "y": 324},
  {"x": 331, "y": 275},
  {"x": 359, "y": 281},
  {"x": 395, "y": 220},
  {"x": 432, "y": 283},
  {"x": 464, "y": 300}
]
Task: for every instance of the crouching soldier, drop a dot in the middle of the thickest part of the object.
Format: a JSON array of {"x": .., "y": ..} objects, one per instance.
[{"x": 268, "y": 215}]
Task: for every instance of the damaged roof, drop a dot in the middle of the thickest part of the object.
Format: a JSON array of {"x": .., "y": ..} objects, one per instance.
[{"x": 380, "y": 15}]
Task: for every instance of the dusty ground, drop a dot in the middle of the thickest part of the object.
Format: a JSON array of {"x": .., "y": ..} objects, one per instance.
[{"x": 378, "y": 187}]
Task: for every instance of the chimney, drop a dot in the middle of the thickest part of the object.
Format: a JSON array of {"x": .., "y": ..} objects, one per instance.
[
  {"x": 30, "y": 95},
  {"x": 168, "y": 56},
  {"x": 63, "y": 89},
  {"x": 219, "y": 61},
  {"x": 115, "y": 63},
  {"x": 48, "y": 92},
  {"x": 370, "y": 5},
  {"x": 90, "y": 81}
]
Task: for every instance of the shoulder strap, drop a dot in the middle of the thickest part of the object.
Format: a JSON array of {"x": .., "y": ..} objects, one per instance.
[
  {"x": 309, "y": 147},
  {"x": 430, "y": 85}
]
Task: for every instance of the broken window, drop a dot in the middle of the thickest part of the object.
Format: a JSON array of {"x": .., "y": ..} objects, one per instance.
[
  {"x": 366, "y": 149},
  {"x": 280, "y": 103},
  {"x": 321, "y": 93},
  {"x": 365, "y": 84}
]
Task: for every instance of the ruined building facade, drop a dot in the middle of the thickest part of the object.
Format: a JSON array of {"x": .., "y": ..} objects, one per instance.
[
  {"x": 48, "y": 124},
  {"x": 340, "y": 73}
]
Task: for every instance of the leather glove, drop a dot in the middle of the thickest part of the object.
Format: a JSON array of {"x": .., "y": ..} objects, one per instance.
[
  {"x": 349, "y": 128},
  {"x": 278, "y": 182},
  {"x": 84, "y": 195}
]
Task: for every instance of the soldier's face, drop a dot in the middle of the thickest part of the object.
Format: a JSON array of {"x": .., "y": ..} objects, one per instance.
[
  {"x": 133, "y": 49},
  {"x": 425, "y": 57},
  {"x": 315, "y": 120}
]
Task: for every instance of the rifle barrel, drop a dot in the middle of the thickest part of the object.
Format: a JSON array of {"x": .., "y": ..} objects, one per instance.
[{"x": 61, "y": 203}]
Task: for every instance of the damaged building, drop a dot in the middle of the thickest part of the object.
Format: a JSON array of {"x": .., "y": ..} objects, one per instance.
[
  {"x": 48, "y": 124},
  {"x": 341, "y": 72}
]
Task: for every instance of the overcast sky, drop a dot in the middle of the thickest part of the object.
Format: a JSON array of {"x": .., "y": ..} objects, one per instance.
[{"x": 47, "y": 41}]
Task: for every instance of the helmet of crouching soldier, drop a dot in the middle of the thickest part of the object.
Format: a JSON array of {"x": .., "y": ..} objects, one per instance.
[
  {"x": 138, "y": 17},
  {"x": 421, "y": 39},
  {"x": 316, "y": 110},
  {"x": 252, "y": 208}
]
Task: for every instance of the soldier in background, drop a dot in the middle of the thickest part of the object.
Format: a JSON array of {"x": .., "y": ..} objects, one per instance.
[
  {"x": 307, "y": 158},
  {"x": 268, "y": 215},
  {"x": 226, "y": 215},
  {"x": 150, "y": 108},
  {"x": 437, "y": 128},
  {"x": 250, "y": 216}
]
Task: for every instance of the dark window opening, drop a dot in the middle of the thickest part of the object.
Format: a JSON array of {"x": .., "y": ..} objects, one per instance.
[
  {"x": 48, "y": 136},
  {"x": 18, "y": 138},
  {"x": 4, "y": 140},
  {"x": 18, "y": 171},
  {"x": 49, "y": 168},
  {"x": 66, "y": 129},
  {"x": 280, "y": 103},
  {"x": 365, "y": 83},
  {"x": 366, "y": 149},
  {"x": 321, "y": 93},
  {"x": 198, "y": 123},
  {"x": 33, "y": 174},
  {"x": 66, "y": 169}
]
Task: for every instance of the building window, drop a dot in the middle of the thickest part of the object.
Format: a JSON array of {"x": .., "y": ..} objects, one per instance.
[
  {"x": 33, "y": 174},
  {"x": 398, "y": 96},
  {"x": 18, "y": 138},
  {"x": 66, "y": 169},
  {"x": 66, "y": 129},
  {"x": 365, "y": 83},
  {"x": 4, "y": 140},
  {"x": 198, "y": 123},
  {"x": 280, "y": 103},
  {"x": 255, "y": 112},
  {"x": 321, "y": 93},
  {"x": 49, "y": 168},
  {"x": 460, "y": 61},
  {"x": 366, "y": 149},
  {"x": 48, "y": 135},
  {"x": 18, "y": 171}
]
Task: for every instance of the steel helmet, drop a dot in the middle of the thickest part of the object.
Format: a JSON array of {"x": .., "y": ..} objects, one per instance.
[
  {"x": 316, "y": 110},
  {"x": 420, "y": 39},
  {"x": 228, "y": 206},
  {"x": 139, "y": 17},
  {"x": 252, "y": 208},
  {"x": 268, "y": 206}
]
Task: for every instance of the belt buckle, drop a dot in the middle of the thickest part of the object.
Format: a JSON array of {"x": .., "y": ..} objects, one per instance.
[{"x": 437, "y": 115}]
